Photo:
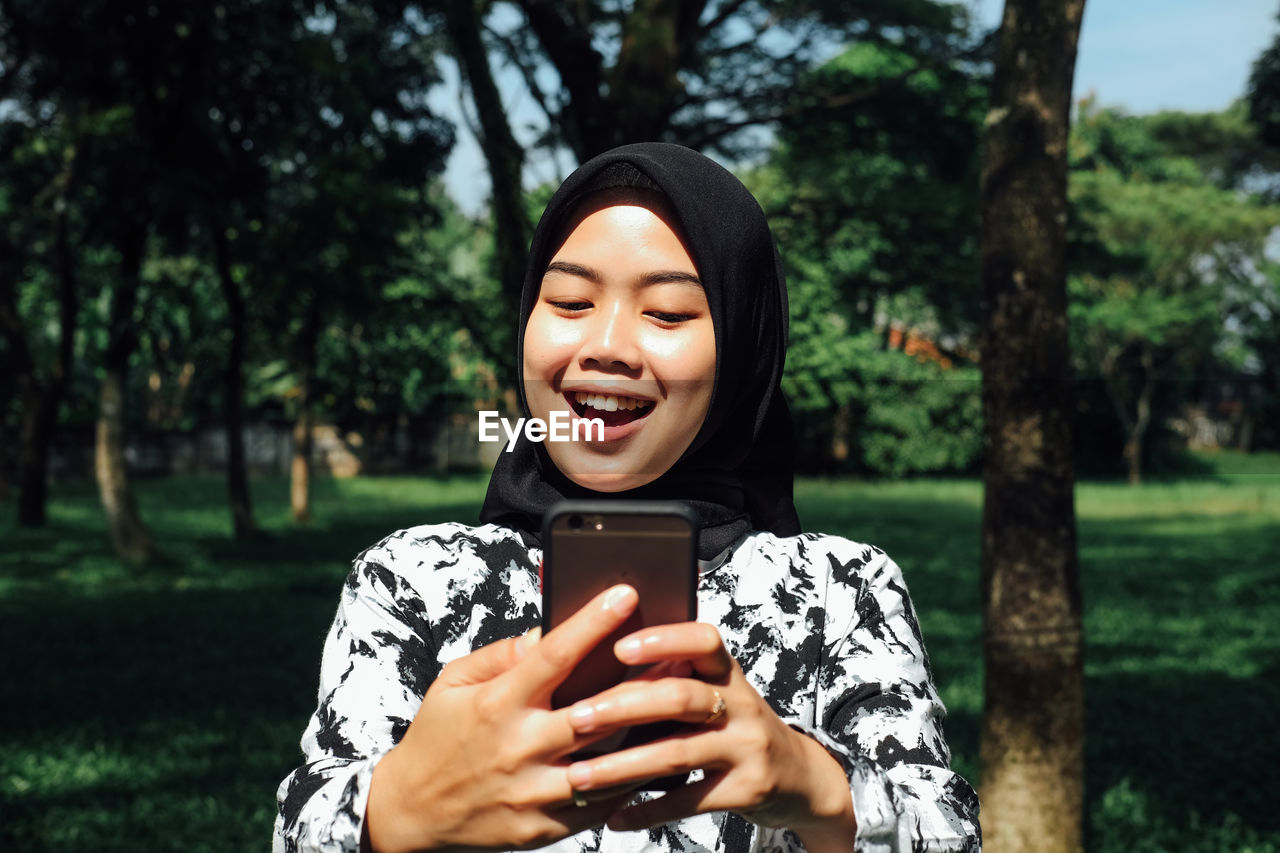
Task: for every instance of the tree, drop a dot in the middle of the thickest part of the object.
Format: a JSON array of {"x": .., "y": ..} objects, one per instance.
[
  {"x": 1160, "y": 253},
  {"x": 348, "y": 183},
  {"x": 695, "y": 72},
  {"x": 876, "y": 207},
  {"x": 132, "y": 540},
  {"x": 308, "y": 141},
  {"x": 883, "y": 196},
  {"x": 131, "y": 195},
  {"x": 39, "y": 181},
  {"x": 43, "y": 83},
  {"x": 1033, "y": 722},
  {"x": 1258, "y": 315},
  {"x": 40, "y": 178},
  {"x": 281, "y": 146},
  {"x": 1264, "y": 95},
  {"x": 511, "y": 224}
]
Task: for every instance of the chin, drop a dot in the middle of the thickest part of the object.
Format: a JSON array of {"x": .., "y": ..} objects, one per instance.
[
  {"x": 607, "y": 473},
  {"x": 600, "y": 476},
  {"x": 609, "y": 483}
]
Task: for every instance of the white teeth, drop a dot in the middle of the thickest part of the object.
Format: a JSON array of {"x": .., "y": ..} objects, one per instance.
[{"x": 609, "y": 403}]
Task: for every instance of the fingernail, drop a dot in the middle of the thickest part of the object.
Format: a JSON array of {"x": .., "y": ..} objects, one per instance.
[
  {"x": 617, "y": 596},
  {"x": 581, "y": 717},
  {"x": 580, "y": 776},
  {"x": 628, "y": 650},
  {"x": 527, "y": 642}
]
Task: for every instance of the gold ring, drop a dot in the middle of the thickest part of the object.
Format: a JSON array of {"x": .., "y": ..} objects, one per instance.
[
  {"x": 579, "y": 798},
  {"x": 717, "y": 709}
]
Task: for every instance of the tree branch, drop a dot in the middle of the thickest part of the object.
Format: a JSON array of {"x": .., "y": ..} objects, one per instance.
[
  {"x": 527, "y": 73},
  {"x": 726, "y": 12},
  {"x": 711, "y": 132},
  {"x": 567, "y": 44},
  {"x": 12, "y": 65}
]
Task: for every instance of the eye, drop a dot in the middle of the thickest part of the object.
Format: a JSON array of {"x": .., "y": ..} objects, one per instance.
[
  {"x": 669, "y": 317},
  {"x": 569, "y": 304}
]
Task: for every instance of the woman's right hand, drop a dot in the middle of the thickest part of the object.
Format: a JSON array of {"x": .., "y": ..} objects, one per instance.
[{"x": 483, "y": 765}]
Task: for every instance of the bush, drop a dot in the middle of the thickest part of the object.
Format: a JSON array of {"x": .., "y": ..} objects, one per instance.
[{"x": 885, "y": 413}]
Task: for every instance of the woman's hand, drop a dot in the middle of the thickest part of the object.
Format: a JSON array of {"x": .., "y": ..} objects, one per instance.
[
  {"x": 483, "y": 763},
  {"x": 753, "y": 763}
]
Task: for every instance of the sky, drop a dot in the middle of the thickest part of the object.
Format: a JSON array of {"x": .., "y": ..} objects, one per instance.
[
  {"x": 1142, "y": 55},
  {"x": 1151, "y": 55}
]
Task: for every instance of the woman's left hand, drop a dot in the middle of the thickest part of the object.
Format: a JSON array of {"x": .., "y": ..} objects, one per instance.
[{"x": 752, "y": 762}]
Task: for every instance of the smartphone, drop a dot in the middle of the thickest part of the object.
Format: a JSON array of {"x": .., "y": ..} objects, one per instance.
[{"x": 589, "y": 546}]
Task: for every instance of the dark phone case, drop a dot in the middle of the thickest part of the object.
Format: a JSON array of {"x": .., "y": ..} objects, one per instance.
[{"x": 636, "y": 539}]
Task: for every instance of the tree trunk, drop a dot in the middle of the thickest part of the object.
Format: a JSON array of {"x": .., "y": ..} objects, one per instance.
[
  {"x": 233, "y": 392},
  {"x": 41, "y": 400},
  {"x": 504, "y": 155},
  {"x": 4, "y": 462},
  {"x": 130, "y": 536},
  {"x": 1141, "y": 420},
  {"x": 132, "y": 541},
  {"x": 644, "y": 85},
  {"x": 1032, "y": 763},
  {"x": 300, "y": 467},
  {"x": 633, "y": 101},
  {"x": 39, "y": 411},
  {"x": 564, "y": 33}
]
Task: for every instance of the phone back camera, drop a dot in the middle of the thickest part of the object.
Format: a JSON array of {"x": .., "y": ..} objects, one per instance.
[{"x": 575, "y": 522}]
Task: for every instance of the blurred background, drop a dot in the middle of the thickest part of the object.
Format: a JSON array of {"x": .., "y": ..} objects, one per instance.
[{"x": 259, "y": 261}]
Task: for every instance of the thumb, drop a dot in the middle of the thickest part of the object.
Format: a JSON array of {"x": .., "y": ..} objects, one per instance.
[{"x": 488, "y": 662}]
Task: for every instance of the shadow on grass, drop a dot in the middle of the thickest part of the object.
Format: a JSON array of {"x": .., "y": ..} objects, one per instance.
[
  {"x": 158, "y": 707},
  {"x": 1182, "y": 680},
  {"x": 336, "y": 543},
  {"x": 152, "y": 705},
  {"x": 1182, "y": 761},
  {"x": 1189, "y": 741}
]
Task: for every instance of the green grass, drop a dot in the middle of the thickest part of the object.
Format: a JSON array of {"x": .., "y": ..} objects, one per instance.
[{"x": 156, "y": 709}]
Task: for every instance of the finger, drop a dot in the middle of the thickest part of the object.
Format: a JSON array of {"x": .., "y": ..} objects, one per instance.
[
  {"x": 657, "y": 672},
  {"x": 694, "y": 798},
  {"x": 563, "y": 817},
  {"x": 555, "y": 655},
  {"x": 575, "y": 818},
  {"x": 664, "y": 669},
  {"x": 578, "y": 810},
  {"x": 697, "y": 642},
  {"x": 615, "y": 793},
  {"x": 632, "y": 703},
  {"x": 488, "y": 662},
  {"x": 670, "y": 756}
]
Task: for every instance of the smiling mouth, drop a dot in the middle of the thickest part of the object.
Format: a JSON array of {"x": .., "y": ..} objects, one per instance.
[{"x": 614, "y": 410}]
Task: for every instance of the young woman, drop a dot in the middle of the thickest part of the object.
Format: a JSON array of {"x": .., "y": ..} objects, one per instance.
[{"x": 655, "y": 301}]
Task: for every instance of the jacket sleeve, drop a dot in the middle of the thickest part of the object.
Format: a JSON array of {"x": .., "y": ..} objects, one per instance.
[
  {"x": 879, "y": 714},
  {"x": 376, "y": 666}
]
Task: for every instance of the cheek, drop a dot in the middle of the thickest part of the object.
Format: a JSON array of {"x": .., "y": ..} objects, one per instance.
[
  {"x": 691, "y": 356},
  {"x": 548, "y": 342}
]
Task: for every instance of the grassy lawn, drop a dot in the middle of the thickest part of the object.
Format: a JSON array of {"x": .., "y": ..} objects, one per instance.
[{"x": 156, "y": 709}]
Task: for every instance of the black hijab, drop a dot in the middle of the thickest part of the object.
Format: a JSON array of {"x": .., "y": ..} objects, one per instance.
[{"x": 737, "y": 474}]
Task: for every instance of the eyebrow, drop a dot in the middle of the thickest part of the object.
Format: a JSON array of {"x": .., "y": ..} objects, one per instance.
[{"x": 595, "y": 276}]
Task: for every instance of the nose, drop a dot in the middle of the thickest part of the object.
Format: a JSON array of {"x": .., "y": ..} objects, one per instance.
[{"x": 611, "y": 342}]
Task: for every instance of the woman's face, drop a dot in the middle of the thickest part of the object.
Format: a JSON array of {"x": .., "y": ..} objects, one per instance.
[{"x": 622, "y": 332}]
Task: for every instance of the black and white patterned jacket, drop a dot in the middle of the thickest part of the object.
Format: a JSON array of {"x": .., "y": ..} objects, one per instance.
[{"x": 822, "y": 627}]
